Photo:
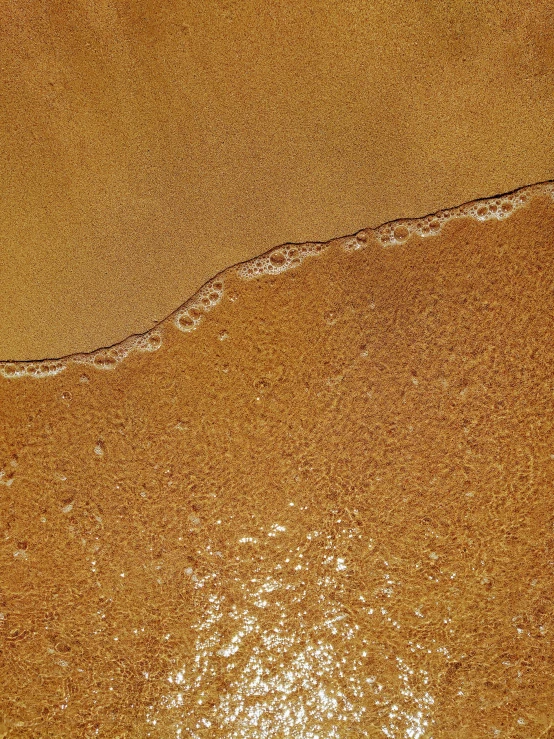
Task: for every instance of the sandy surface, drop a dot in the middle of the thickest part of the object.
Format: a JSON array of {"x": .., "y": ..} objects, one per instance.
[
  {"x": 326, "y": 512},
  {"x": 146, "y": 146},
  {"x": 318, "y": 503}
]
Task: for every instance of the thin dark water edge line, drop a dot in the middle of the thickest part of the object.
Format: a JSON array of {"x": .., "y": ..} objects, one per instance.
[
  {"x": 108, "y": 357},
  {"x": 531, "y": 186}
]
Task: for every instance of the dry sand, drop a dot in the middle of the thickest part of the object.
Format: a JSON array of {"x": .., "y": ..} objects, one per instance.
[
  {"x": 145, "y": 146},
  {"x": 325, "y": 512}
]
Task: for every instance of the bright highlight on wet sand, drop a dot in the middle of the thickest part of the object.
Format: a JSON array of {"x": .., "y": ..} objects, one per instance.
[{"x": 315, "y": 501}]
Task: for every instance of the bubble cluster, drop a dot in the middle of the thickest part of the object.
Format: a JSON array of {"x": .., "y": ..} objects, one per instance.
[
  {"x": 278, "y": 260},
  {"x": 398, "y": 232},
  {"x": 106, "y": 359},
  {"x": 46, "y": 368},
  {"x": 149, "y": 342},
  {"x": 358, "y": 241},
  {"x": 100, "y": 359},
  {"x": 190, "y": 315}
]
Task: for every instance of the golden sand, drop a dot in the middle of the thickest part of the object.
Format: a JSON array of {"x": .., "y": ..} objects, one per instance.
[
  {"x": 146, "y": 145},
  {"x": 327, "y": 512}
]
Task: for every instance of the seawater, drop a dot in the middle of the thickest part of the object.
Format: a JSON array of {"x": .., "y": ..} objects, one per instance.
[{"x": 315, "y": 501}]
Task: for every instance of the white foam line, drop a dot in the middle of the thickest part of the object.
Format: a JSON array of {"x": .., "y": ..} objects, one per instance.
[{"x": 280, "y": 259}]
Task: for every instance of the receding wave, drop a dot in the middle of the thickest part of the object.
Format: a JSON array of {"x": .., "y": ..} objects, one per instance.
[
  {"x": 275, "y": 261},
  {"x": 325, "y": 514}
]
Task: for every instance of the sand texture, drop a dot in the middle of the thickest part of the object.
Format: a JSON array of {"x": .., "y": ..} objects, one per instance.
[
  {"x": 145, "y": 146},
  {"x": 326, "y": 512}
]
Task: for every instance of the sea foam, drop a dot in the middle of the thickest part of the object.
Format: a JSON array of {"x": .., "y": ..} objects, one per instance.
[{"x": 273, "y": 262}]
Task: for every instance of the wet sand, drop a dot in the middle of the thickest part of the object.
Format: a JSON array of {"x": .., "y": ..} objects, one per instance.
[
  {"x": 315, "y": 501},
  {"x": 145, "y": 146},
  {"x": 327, "y": 511}
]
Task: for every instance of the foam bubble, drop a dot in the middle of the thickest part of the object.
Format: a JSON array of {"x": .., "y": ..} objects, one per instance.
[
  {"x": 149, "y": 342},
  {"x": 279, "y": 259},
  {"x": 47, "y": 368},
  {"x": 106, "y": 359},
  {"x": 497, "y": 208},
  {"x": 191, "y": 314}
]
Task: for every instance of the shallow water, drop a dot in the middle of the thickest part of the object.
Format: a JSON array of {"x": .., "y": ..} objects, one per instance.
[{"x": 326, "y": 512}]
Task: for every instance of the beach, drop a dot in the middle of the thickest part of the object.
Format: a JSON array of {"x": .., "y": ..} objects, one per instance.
[
  {"x": 325, "y": 508},
  {"x": 276, "y": 440}
]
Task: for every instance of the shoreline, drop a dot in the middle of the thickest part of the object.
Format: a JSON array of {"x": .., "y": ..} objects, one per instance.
[{"x": 188, "y": 316}]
